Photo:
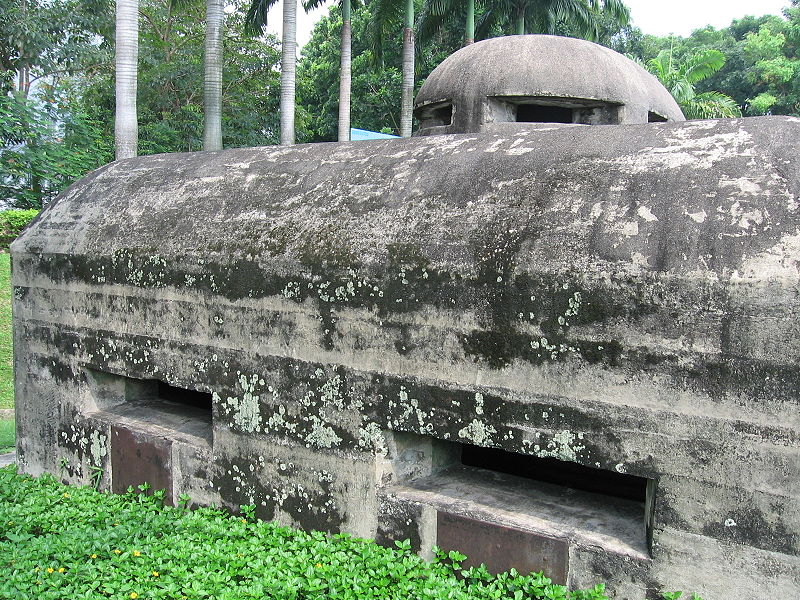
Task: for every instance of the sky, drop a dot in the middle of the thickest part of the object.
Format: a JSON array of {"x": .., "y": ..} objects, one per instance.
[{"x": 679, "y": 17}]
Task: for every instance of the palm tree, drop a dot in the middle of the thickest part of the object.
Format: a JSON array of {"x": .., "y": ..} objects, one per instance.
[
  {"x": 545, "y": 16},
  {"x": 126, "y": 130},
  {"x": 435, "y": 13},
  {"x": 385, "y": 13},
  {"x": 255, "y": 22},
  {"x": 680, "y": 77},
  {"x": 212, "y": 130},
  {"x": 345, "y": 68}
]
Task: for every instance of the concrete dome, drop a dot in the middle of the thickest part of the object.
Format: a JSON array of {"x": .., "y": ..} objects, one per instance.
[{"x": 519, "y": 79}]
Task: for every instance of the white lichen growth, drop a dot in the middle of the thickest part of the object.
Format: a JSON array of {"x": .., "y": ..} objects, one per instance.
[
  {"x": 245, "y": 410},
  {"x": 477, "y": 432},
  {"x": 98, "y": 447}
]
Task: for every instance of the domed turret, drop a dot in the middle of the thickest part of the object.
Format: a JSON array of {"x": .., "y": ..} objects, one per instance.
[{"x": 536, "y": 79}]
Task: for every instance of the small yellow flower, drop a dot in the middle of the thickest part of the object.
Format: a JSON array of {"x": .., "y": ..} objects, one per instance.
[
  {"x": 65, "y": 495},
  {"x": 137, "y": 553},
  {"x": 133, "y": 595},
  {"x": 61, "y": 569},
  {"x": 155, "y": 573},
  {"x": 117, "y": 551},
  {"x": 50, "y": 569},
  {"x": 93, "y": 556},
  {"x": 244, "y": 520},
  {"x": 318, "y": 565}
]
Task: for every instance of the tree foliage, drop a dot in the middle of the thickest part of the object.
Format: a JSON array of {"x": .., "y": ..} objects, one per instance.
[
  {"x": 171, "y": 82},
  {"x": 761, "y": 72},
  {"x": 375, "y": 83},
  {"x": 681, "y": 76}
]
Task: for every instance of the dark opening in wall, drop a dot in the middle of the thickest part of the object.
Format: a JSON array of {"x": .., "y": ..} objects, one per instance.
[
  {"x": 142, "y": 404},
  {"x": 443, "y": 114},
  {"x": 439, "y": 114},
  {"x": 546, "y": 504},
  {"x": 536, "y": 113},
  {"x": 193, "y": 398},
  {"x": 655, "y": 118},
  {"x": 559, "y": 472}
]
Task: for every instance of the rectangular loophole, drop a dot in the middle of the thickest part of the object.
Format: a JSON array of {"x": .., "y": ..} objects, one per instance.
[
  {"x": 439, "y": 114},
  {"x": 192, "y": 398},
  {"x": 535, "y": 113},
  {"x": 604, "y": 485},
  {"x": 558, "y": 472},
  {"x": 546, "y": 497},
  {"x": 151, "y": 406}
]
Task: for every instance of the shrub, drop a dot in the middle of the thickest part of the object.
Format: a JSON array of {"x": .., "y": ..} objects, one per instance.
[{"x": 12, "y": 222}]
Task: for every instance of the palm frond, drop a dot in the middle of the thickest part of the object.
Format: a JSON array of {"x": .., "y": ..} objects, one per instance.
[
  {"x": 432, "y": 17},
  {"x": 487, "y": 21},
  {"x": 579, "y": 14},
  {"x": 703, "y": 65},
  {"x": 385, "y": 14},
  {"x": 256, "y": 18},
  {"x": 711, "y": 105},
  {"x": 619, "y": 12}
]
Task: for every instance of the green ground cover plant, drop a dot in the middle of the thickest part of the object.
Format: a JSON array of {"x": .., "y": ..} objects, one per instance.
[{"x": 59, "y": 541}]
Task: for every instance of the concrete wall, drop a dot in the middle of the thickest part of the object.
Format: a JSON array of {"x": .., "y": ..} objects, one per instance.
[{"x": 619, "y": 297}]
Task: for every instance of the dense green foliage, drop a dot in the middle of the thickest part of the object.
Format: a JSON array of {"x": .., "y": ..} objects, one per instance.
[
  {"x": 12, "y": 222},
  {"x": 46, "y": 143},
  {"x": 66, "y": 542},
  {"x": 46, "y": 140},
  {"x": 64, "y": 127},
  {"x": 681, "y": 77},
  {"x": 6, "y": 344},
  {"x": 762, "y": 59},
  {"x": 60, "y": 541},
  {"x": 170, "y": 98}
]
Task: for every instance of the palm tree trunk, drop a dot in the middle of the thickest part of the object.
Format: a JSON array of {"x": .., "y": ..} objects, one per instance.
[
  {"x": 469, "y": 33},
  {"x": 212, "y": 130},
  {"x": 519, "y": 24},
  {"x": 407, "y": 97},
  {"x": 126, "y": 132},
  {"x": 345, "y": 74},
  {"x": 288, "y": 63}
]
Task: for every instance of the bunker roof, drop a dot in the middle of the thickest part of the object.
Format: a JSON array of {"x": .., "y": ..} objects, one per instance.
[{"x": 484, "y": 84}]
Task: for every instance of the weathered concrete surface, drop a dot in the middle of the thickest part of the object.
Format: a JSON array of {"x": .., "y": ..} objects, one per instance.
[
  {"x": 620, "y": 297},
  {"x": 546, "y": 68}
]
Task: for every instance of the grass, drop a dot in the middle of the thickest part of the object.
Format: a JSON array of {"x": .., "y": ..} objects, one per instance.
[
  {"x": 6, "y": 345},
  {"x": 59, "y": 542},
  {"x": 6, "y": 436}
]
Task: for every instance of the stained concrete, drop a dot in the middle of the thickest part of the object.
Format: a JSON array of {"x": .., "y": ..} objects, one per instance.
[{"x": 622, "y": 298}]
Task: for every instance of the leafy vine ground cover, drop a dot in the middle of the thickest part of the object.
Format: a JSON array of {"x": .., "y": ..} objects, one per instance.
[{"x": 59, "y": 542}]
